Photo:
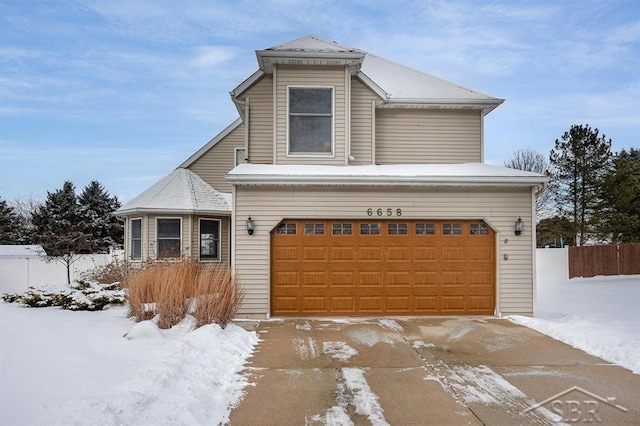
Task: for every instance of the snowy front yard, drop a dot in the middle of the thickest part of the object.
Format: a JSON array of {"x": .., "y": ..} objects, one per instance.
[
  {"x": 63, "y": 367},
  {"x": 599, "y": 315}
]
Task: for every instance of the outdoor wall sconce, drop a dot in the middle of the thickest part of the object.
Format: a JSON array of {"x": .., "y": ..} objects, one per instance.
[
  {"x": 250, "y": 226},
  {"x": 519, "y": 226}
]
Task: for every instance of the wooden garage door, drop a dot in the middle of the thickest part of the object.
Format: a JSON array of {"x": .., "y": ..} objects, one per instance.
[{"x": 368, "y": 267}]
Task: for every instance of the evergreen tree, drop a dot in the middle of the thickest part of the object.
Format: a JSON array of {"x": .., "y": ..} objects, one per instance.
[
  {"x": 58, "y": 227},
  {"x": 552, "y": 230},
  {"x": 10, "y": 226},
  {"x": 580, "y": 161},
  {"x": 96, "y": 208},
  {"x": 619, "y": 214}
]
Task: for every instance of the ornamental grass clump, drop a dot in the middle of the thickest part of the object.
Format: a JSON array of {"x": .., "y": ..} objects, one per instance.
[
  {"x": 169, "y": 292},
  {"x": 218, "y": 296}
]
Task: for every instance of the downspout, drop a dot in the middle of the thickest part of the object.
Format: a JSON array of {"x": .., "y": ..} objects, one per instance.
[{"x": 246, "y": 130}]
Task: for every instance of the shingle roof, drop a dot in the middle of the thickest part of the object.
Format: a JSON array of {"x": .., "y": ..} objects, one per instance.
[
  {"x": 182, "y": 191},
  {"x": 394, "y": 82}
]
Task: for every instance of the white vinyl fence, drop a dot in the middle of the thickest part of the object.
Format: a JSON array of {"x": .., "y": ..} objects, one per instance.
[{"x": 16, "y": 274}]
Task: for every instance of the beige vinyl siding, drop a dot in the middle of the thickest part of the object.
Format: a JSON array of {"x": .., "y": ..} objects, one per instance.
[
  {"x": 362, "y": 123},
  {"x": 428, "y": 136},
  {"x": 219, "y": 160},
  {"x": 314, "y": 77},
  {"x": 261, "y": 121},
  {"x": 224, "y": 237},
  {"x": 499, "y": 207}
]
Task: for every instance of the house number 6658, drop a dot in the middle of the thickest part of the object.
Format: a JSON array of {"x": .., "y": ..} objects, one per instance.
[{"x": 381, "y": 212}]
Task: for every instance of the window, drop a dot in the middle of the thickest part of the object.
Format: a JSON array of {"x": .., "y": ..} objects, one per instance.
[
  {"x": 241, "y": 156},
  {"x": 369, "y": 229},
  {"x": 314, "y": 229},
  {"x": 286, "y": 229},
  {"x": 342, "y": 229},
  {"x": 310, "y": 121},
  {"x": 136, "y": 239},
  {"x": 209, "y": 239},
  {"x": 479, "y": 229},
  {"x": 168, "y": 238},
  {"x": 452, "y": 229},
  {"x": 397, "y": 229},
  {"x": 425, "y": 229}
]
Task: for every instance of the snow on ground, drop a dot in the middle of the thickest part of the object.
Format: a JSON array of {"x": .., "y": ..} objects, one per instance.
[
  {"x": 599, "y": 315},
  {"x": 63, "y": 367}
]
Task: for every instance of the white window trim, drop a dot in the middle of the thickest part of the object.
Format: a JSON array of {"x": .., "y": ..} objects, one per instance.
[
  {"x": 235, "y": 155},
  {"x": 180, "y": 239},
  {"x": 131, "y": 239},
  {"x": 219, "y": 259},
  {"x": 333, "y": 124}
]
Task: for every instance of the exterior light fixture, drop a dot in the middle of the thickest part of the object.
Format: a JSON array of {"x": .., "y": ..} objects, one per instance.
[
  {"x": 250, "y": 226},
  {"x": 519, "y": 226}
]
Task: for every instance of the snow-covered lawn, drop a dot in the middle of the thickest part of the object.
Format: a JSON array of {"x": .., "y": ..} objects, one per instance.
[
  {"x": 63, "y": 367},
  {"x": 600, "y": 315}
]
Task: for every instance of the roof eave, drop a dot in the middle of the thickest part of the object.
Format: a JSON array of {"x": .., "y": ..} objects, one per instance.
[
  {"x": 199, "y": 153},
  {"x": 161, "y": 211},
  {"x": 414, "y": 181},
  {"x": 266, "y": 58},
  {"x": 245, "y": 85},
  {"x": 486, "y": 105}
]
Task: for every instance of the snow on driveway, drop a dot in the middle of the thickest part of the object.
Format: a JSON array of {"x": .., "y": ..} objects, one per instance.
[
  {"x": 63, "y": 367},
  {"x": 599, "y": 315}
]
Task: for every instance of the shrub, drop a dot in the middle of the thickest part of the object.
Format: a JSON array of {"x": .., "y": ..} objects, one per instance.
[
  {"x": 113, "y": 272},
  {"x": 81, "y": 296},
  {"x": 171, "y": 291}
]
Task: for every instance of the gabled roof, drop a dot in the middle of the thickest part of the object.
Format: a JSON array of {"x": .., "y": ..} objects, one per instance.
[
  {"x": 223, "y": 134},
  {"x": 434, "y": 175},
  {"x": 396, "y": 84},
  {"x": 180, "y": 192}
]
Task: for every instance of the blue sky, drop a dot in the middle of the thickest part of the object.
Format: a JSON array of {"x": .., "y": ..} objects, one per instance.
[{"x": 123, "y": 91}]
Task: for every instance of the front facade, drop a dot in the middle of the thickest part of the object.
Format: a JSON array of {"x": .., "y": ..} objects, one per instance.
[{"x": 364, "y": 187}]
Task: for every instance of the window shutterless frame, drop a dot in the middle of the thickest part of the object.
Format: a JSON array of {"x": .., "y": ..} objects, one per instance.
[
  {"x": 168, "y": 237},
  {"x": 310, "y": 121},
  {"x": 240, "y": 156},
  {"x": 135, "y": 238},
  {"x": 209, "y": 239}
]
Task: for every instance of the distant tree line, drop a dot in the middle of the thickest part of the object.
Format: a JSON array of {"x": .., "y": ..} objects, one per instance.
[
  {"x": 593, "y": 194},
  {"x": 66, "y": 224}
]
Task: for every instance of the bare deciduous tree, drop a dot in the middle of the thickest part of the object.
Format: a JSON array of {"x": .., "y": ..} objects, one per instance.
[{"x": 532, "y": 161}]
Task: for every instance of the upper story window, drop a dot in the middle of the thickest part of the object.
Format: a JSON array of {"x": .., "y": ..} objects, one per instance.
[{"x": 310, "y": 121}]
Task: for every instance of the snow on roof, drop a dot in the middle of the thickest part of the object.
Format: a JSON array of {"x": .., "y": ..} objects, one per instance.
[
  {"x": 403, "y": 83},
  {"x": 311, "y": 43},
  {"x": 467, "y": 174},
  {"x": 182, "y": 191},
  {"x": 398, "y": 83},
  {"x": 21, "y": 252}
]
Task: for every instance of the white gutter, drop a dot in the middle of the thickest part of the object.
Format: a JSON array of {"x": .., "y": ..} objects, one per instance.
[{"x": 160, "y": 210}]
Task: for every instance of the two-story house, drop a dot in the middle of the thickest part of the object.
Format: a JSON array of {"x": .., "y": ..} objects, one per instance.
[{"x": 349, "y": 185}]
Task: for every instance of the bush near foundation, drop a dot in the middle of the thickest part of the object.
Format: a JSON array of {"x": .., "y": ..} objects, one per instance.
[{"x": 169, "y": 292}]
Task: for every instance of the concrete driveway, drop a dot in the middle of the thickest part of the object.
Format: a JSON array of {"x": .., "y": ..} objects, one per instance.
[{"x": 425, "y": 371}]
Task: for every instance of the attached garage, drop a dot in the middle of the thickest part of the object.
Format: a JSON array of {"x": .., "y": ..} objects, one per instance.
[{"x": 322, "y": 267}]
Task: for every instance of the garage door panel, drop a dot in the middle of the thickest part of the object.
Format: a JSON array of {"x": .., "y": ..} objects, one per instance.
[
  {"x": 410, "y": 268},
  {"x": 369, "y": 254},
  {"x": 342, "y": 254},
  {"x": 342, "y": 304},
  {"x": 315, "y": 278},
  {"x": 371, "y": 304}
]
